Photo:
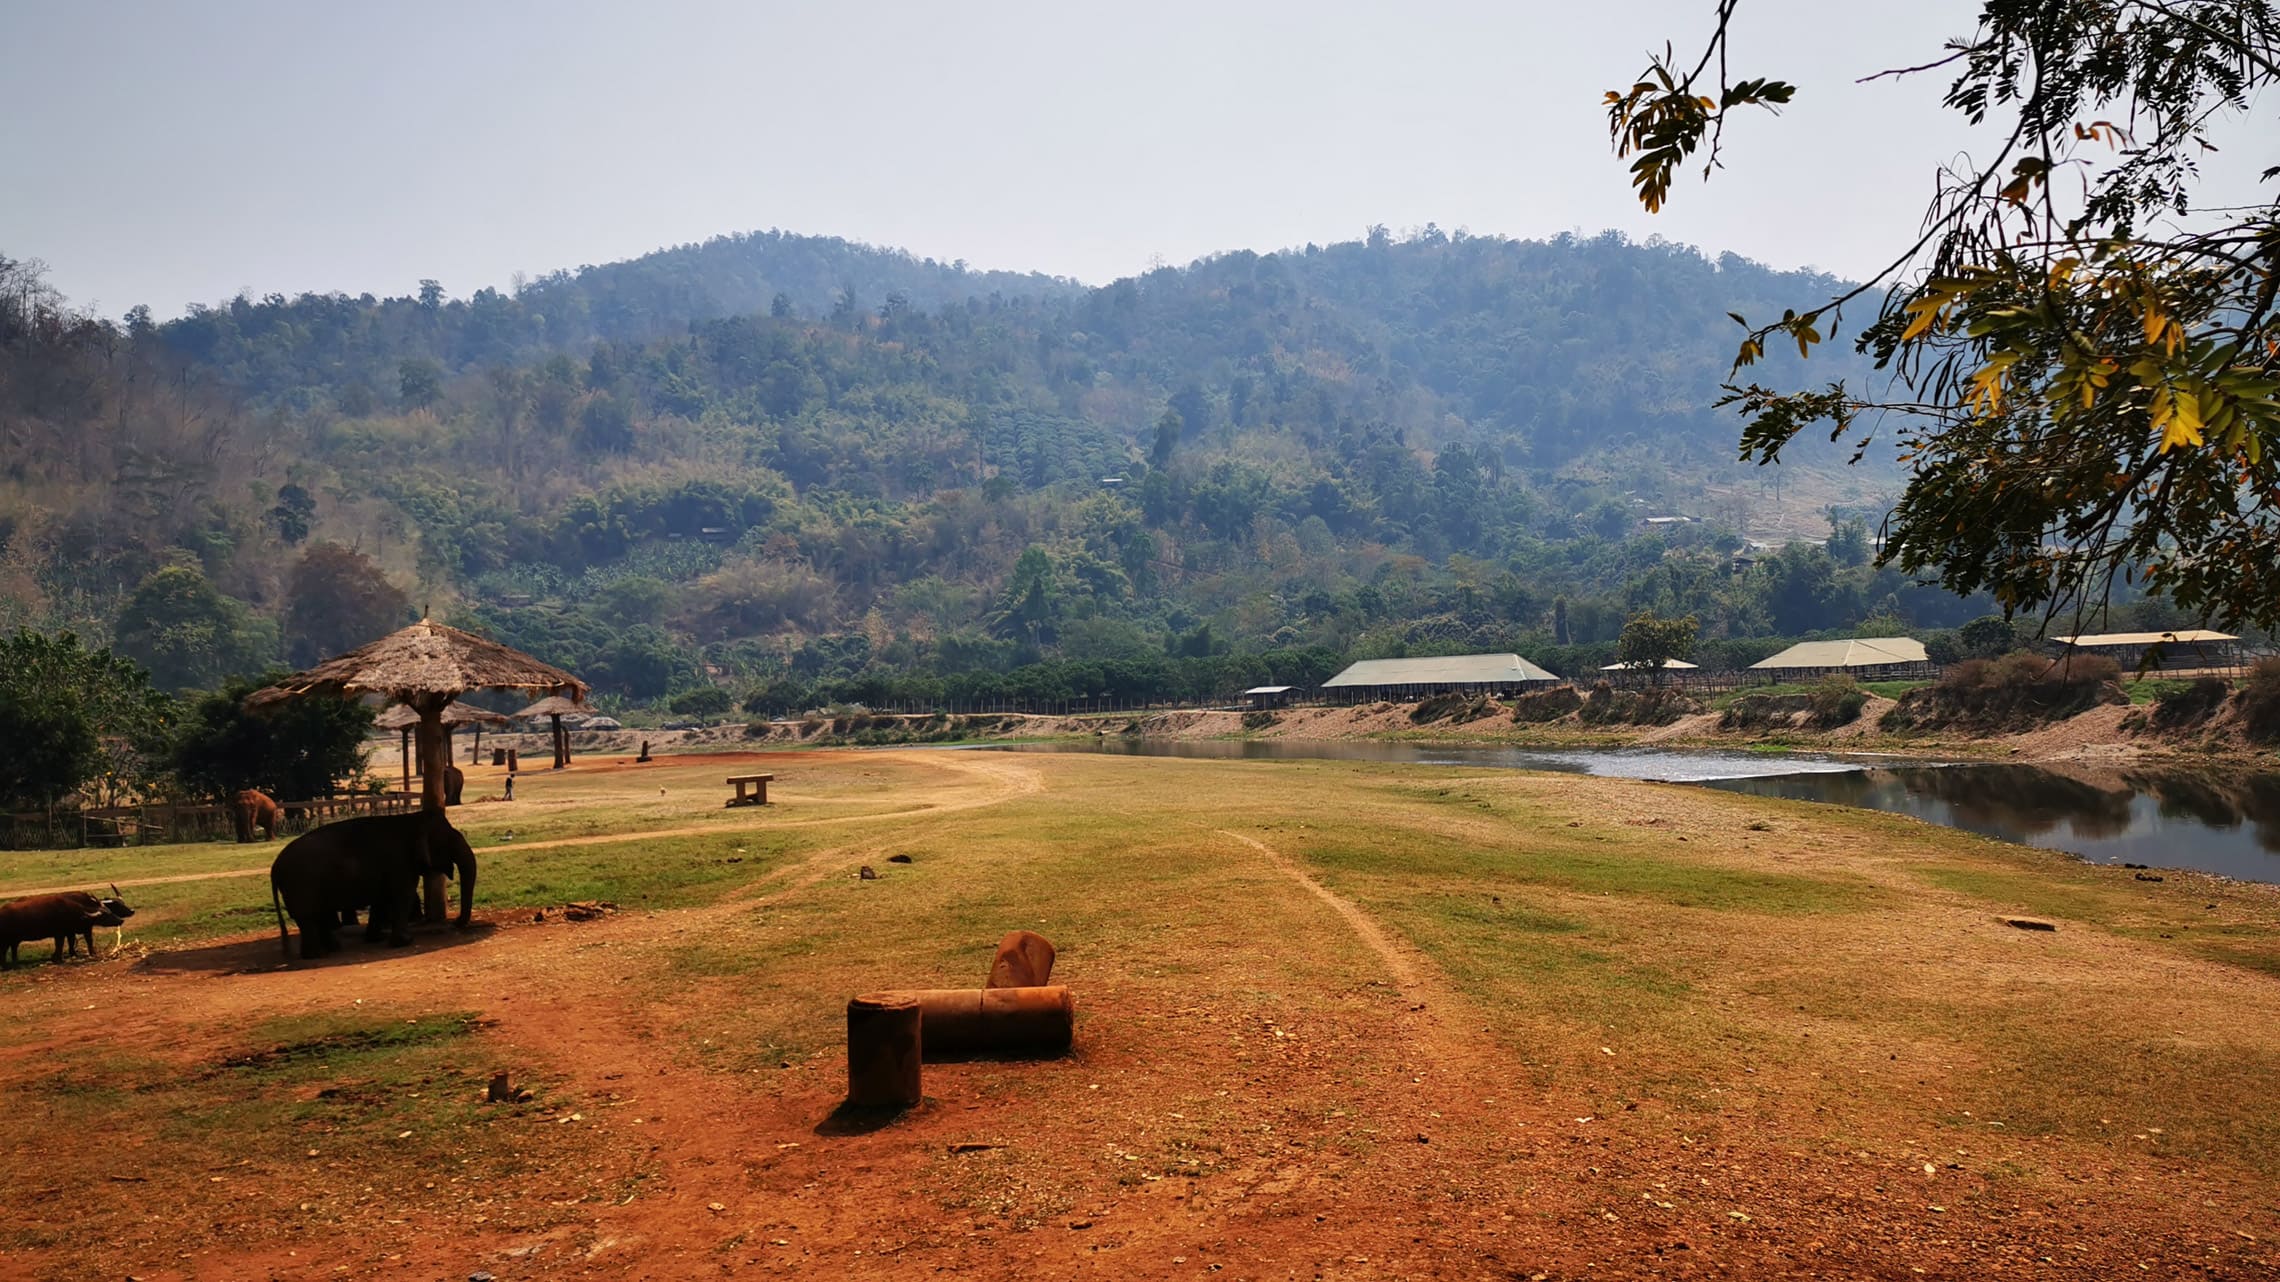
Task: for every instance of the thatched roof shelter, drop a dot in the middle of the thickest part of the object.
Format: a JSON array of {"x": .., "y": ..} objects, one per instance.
[
  {"x": 425, "y": 666},
  {"x": 455, "y": 713},
  {"x": 551, "y": 706},
  {"x": 421, "y": 662}
]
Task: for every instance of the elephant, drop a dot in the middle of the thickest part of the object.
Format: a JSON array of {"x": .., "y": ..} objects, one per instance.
[
  {"x": 255, "y": 809},
  {"x": 373, "y": 860},
  {"x": 454, "y": 783}
]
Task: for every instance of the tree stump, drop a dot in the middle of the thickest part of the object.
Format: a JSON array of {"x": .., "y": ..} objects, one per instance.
[{"x": 883, "y": 1051}]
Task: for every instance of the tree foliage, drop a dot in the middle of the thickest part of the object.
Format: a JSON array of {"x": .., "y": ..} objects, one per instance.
[
  {"x": 338, "y": 599},
  {"x": 77, "y": 720},
  {"x": 296, "y": 750},
  {"x": 1649, "y": 642},
  {"x": 2089, "y": 359}
]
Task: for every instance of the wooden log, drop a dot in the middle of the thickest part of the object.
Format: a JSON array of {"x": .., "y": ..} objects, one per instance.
[
  {"x": 883, "y": 1031},
  {"x": 995, "y": 1021}
]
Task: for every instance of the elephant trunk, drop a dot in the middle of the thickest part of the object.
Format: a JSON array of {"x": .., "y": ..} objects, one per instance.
[{"x": 464, "y": 856}]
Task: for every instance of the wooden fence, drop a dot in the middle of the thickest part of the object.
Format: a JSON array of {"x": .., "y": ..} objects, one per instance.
[{"x": 162, "y": 822}]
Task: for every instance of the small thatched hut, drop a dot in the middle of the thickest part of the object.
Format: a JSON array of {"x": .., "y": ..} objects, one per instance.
[{"x": 425, "y": 667}]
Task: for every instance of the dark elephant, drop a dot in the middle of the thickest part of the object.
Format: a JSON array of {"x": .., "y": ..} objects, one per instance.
[
  {"x": 374, "y": 860},
  {"x": 454, "y": 783},
  {"x": 49, "y": 917},
  {"x": 254, "y": 809},
  {"x": 104, "y": 912}
]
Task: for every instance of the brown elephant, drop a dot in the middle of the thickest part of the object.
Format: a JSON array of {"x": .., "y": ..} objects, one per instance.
[
  {"x": 373, "y": 860},
  {"x": 454, "y": 783},
  {"x": 255, "y": 809}
]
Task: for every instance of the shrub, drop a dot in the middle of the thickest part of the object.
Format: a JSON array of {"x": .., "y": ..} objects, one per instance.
[
  {"x": 1259, "y": 719},
  {"x": 2189, "y": 705},
  {"x": 2259, "y": 701},
  {"x": 1763, "y": 710},
  {"x": 1655, "y": 706},
  {"x": 1837, "y": 701},
  {"x": 2016, "y": 692},
  {"x": 1452, "y": 707},
  {"x": 1539, "y": 706}
]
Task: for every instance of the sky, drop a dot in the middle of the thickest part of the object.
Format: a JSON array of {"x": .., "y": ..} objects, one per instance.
[{"x": 171, "y": 153}]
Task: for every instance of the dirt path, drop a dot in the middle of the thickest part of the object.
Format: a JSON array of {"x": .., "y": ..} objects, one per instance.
[{"x": 1398, "y": 961}]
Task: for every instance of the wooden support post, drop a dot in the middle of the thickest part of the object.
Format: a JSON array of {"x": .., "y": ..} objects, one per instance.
[{"x": 883, "y": 1051}]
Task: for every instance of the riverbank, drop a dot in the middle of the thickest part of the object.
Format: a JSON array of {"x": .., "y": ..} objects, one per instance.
[{"x": 2107, "y": 735}]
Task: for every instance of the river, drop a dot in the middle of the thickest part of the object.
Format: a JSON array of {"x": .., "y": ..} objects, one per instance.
[{"x": 2220, "y": 821}]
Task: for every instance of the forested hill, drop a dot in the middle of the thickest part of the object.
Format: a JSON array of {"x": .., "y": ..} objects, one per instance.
[
  {"x": 652, "y": 474},
  {"x": 283, "y": 349}
]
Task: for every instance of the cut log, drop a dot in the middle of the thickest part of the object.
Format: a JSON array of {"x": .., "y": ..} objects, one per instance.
[
  {"x": 996, "y": 1021},
  {"x": 883, "y": 1032}
]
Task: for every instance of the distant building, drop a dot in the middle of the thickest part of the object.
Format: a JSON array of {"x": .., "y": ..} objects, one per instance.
[
  {"x": 1268, "y": 696},
  {"x": 1457, "y": 673},
  {"x": 2192, "y": 648},
  {"x": 1668, "y": 665},
  {"x": 1868, "y": 658}
]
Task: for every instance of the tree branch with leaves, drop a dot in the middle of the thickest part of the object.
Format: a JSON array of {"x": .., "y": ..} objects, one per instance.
[{"x": 2084, "y": 366}]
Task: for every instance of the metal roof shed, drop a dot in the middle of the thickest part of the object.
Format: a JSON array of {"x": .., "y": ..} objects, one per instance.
[
  {"x": 1389, "y": 678},
  {"x": 1854, "y": 656},
  {"x": 2183, "y": 649}
]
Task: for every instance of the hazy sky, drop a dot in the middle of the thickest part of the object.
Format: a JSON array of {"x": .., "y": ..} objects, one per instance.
[{"x": 179, "y": 152}]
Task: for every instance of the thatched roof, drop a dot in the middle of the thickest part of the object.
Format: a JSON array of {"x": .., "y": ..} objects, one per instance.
[
  {"x": 557, "y": 706},
  {"x": 424, "y": 660},
  {"x": 399, "y": 716}
]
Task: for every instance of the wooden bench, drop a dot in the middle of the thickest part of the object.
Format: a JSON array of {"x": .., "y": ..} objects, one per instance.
[{"x": 751, "y": 790}]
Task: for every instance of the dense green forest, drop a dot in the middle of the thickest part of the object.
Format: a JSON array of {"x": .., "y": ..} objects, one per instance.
[{"x": 773, "y": 461}]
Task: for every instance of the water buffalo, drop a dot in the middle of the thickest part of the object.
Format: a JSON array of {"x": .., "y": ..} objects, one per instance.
[
  {"x": 108, "y": 912},
  {"x": 50, "y": 917},
  {"x": 375, "y": 860}
]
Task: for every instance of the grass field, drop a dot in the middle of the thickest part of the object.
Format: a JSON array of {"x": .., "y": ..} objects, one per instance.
[{"x": 1360, "y": 1019}]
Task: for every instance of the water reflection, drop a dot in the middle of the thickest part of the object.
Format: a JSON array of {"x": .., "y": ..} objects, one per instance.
[
  {"x": 2217, "y": 821},
  {"x": 2222, "y": 823}
]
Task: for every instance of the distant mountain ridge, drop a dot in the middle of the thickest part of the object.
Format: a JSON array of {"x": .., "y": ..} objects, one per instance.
[
  {"x": 361, "y": 337},
  {"x": 726, "y": 456}
]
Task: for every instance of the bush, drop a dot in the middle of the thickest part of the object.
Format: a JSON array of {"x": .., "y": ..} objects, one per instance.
[
  {"x": 2016, "y": 692},
  {"x": 1763, "y": 710},
  {"x": 1837, "y": 701},
  {"x": 2189, "y": 705},
  {"x": 1539, "y": 706},
  {"x": 2260, "y": 702},
  {"x": 1454, "y": 708},
  {"x": 1259, "y": 719},
  {"x": 1654, "y": 706}
]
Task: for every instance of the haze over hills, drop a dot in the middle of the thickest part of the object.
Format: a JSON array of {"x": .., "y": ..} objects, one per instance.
[{"x": 774, "y": 449}]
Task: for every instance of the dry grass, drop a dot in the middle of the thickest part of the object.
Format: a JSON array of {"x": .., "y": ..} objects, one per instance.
[{"x": 1781, "y": 1010}]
